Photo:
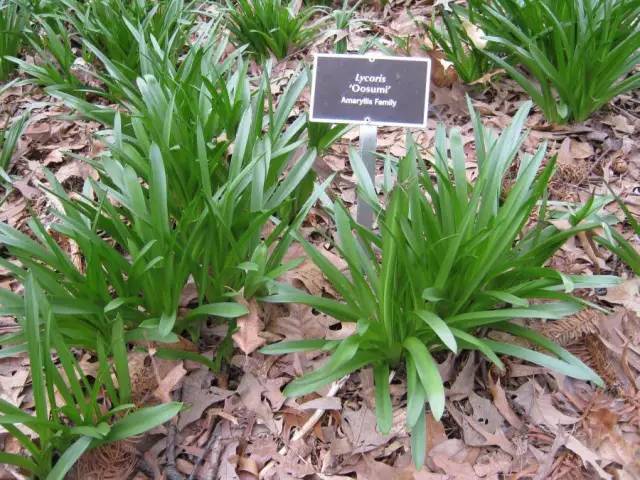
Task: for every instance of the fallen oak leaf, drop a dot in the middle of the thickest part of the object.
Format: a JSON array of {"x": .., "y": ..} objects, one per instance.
[
  {"x": 626, "y": 294},
  {"x": 587, "y": 456},
  {"x": 250, "y": 391},
  {"x": 454, "y": 470},
  {"x": 547, "y": 464},
  {"x": 248, "y": 338},
  {"x": 75, "y": 168},
  {"x": 11, "y": 386},
  {"x": 486, "y": 416},
  {"x": 539, "y": 407},
  {"x": 581, "y": 150},
  {"x": 498, "y": 438},
  {"x": 199, "y": 395},
  {"x": 169, "y": 383},
  {"x": 492, "y": 465},
  {"x": 462, "y": 386},
  {"x": 502, "y": 404}
]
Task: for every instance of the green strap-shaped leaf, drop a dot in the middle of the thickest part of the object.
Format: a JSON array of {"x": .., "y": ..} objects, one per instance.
[
  {"x": 121, "y": 360},
  {"x": 546, "y": 361},
  {"x": 416, "y": 397},
  {"x": 19, "y": 461},
  {"x": 428, "y": 374},
  {"x": 223, "y": 309},
  {"x": 440, "y": 328},
  {"x": 478, "y": 344},
  {"x": 419, "y": 440},
  {"x": 552, "y": 347},
  {"x": 508, "y": 298},
  {"x": 313, "y": 381},
  {"x": 293, "y": 346},
  {"x": 158, "y": 191},
  {"x": 142, "y": 420},
  {"x": 384, "y": 413},
  {"x": 69, "y": 458}
]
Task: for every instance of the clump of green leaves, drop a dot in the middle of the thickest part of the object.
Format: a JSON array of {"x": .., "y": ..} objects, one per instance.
[
  {"x": 193, "y": 176},
  {"x": 116, "y": 27},
  {"x": 461, "y": 41},
  {"x": 615, "y": 241},
  {"x": 136, "y": 37},
  {"x": 14, "y": 22},
  {"x": 451, "y": 262},
  {"x": 344, "y": 20},
  {"x": 270, "y": 26},
  {"x": 53, "y": 46},
  {"x": 9, "y": 140},
  {"x": 137, "y": 258},
  {"x": 72, "y": 413},
  {"x": 577, "y": 54}
]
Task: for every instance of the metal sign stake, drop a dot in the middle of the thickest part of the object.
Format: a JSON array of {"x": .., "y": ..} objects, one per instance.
[{"x": 368, "y": 144}]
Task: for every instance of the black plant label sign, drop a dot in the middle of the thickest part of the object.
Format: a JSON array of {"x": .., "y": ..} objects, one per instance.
[{"x": 372, "y": 90}]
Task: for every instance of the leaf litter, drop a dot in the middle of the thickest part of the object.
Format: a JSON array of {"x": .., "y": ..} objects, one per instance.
[{"x": 525, "y": 423}]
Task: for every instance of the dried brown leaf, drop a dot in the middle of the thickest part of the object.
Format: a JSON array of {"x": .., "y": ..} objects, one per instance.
[
  {"x": 587, "y": 456},
  {"x": 169, "y": 383},
  {"x": 502, "y": 404},
  {"x": 463, "y": 385},
  {"x": 539, "y": 406},
  {"x": 248, "y": 338}
]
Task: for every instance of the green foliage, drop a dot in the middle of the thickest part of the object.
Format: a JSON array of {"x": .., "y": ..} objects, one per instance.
[
  {"x": 618, "y": 244},
  {"x": 196, "y": 113},
  {"x": 269, "y": 26},
  {"x": 136, "y": 37},
  {"x": 14, "y": 22},
  {"x": 9, "y": 140},
  {"x": 54, "y": 47},
  {"x": 461, "y": 42},
  {"x": 321, "y": 136},
  {"x": 344, "y": 18},
  {"x": 72, "y": 413},
  {"x": 193, "y": 178},
  {"x": 116, "y": 27},
  {"x": 136, "y": 263},
  {"x": 226, "y": 146},
  {"x": 451, "y": 261},
  {"x": 577, "y": 54}
]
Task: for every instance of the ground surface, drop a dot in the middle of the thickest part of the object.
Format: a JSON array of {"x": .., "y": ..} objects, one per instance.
[{"x": 525, "y": 423}]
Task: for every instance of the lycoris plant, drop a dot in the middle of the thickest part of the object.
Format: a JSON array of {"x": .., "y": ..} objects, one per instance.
[
  {"x": 270, "y": 26},
  {"x": 14, "y": 21},
  {"x": 193, "y": 178},
  {"x": 52, "y": 44},
  {"x": 577, "y": 54},
  {"x": 115, "y": 27},
  {"x": 616, "y": 242},
  {"x": 451, "y": 262},
  {"x": 462, "y": 42},
  {"x": 72, "y": 413},
  {"x": 135, "y": 38},
  {"x": 9, "y": 141},
  {"x": 136, "y": 258}
]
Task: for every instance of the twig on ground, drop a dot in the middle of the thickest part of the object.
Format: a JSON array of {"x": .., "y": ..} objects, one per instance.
[
  {"x": 212, "y": 444},
  {"x": 545, "y": 467},
  {"x": 171, "y": 471},
  {"x": 306, "y": 428},
  {"x": 170, "y": 454},
  {"x": 214, "y": 458}
]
